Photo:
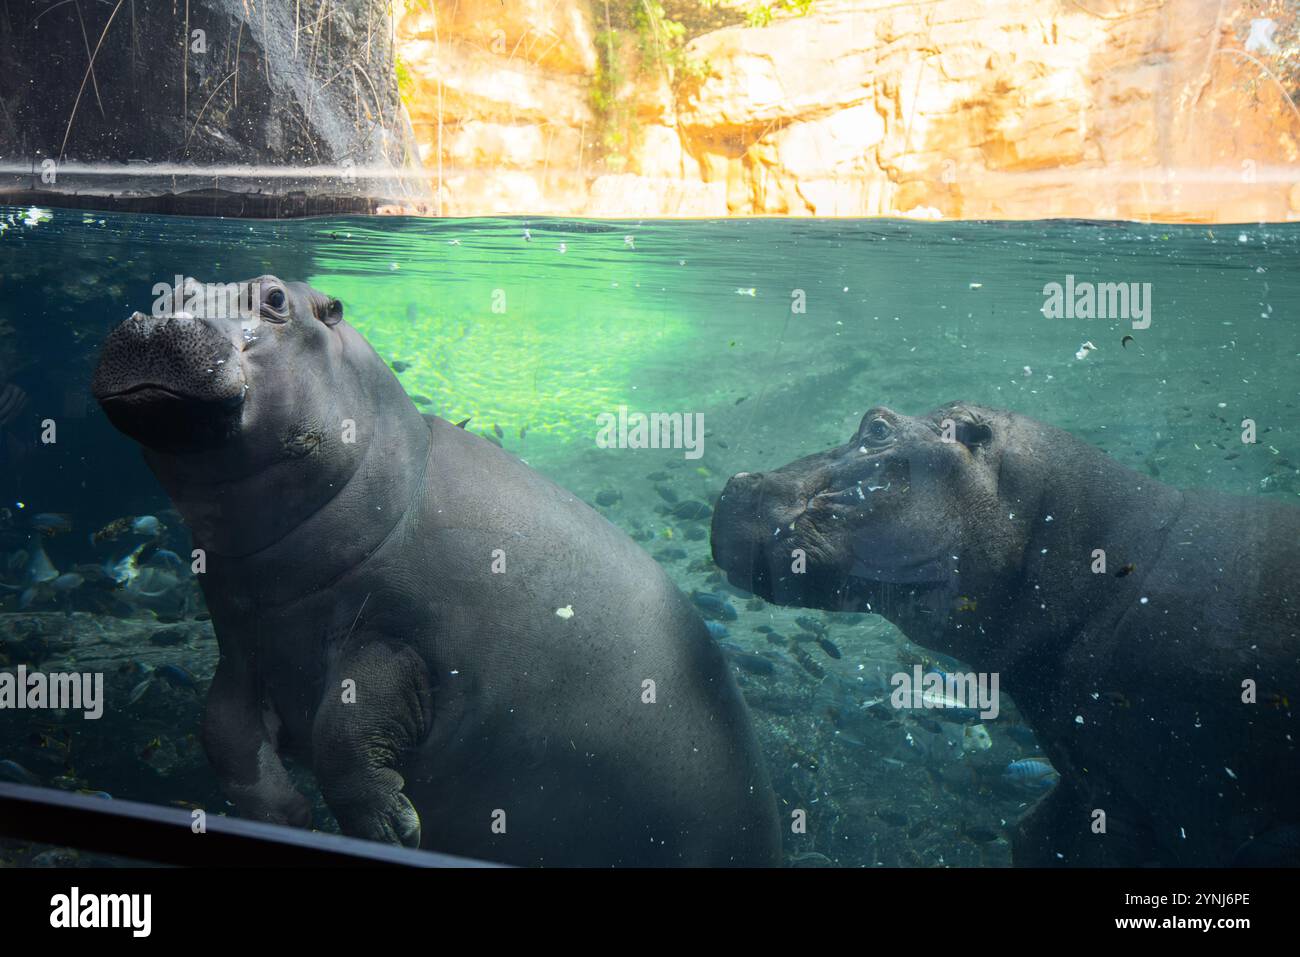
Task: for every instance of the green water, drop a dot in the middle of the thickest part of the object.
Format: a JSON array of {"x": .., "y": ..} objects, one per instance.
[{"x": 781, "y": 333}]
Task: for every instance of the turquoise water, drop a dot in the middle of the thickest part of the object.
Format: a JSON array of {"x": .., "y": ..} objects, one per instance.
[{"x": 780, "y": 333}]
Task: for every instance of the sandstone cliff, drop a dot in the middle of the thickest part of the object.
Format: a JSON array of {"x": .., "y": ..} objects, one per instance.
[{"x": 1135, "y": 109}]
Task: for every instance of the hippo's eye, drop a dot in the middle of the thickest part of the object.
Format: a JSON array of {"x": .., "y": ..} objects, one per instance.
[
  {"x": 879, "y": 430},
  {"x": 275, "y": 299}
]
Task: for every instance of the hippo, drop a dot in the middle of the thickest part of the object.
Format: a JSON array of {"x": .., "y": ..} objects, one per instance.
[
  {"x": 464, "y": 655},
  {"x": 1150, "y": 635}
]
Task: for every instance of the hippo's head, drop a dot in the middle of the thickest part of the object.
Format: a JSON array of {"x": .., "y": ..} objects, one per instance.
[
  {"x": 908, "y": 507},
  {"x": 254, "y": 402},
  {"x": 194, "y": 375}
]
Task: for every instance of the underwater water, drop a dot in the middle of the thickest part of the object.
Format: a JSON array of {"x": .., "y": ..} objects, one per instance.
[{"x": 780, "y": 333}]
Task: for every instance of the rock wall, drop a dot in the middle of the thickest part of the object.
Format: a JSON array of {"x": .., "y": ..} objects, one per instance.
[
  {"x": 126, "y": 99},
  {"x": 1134, "y": 109}
]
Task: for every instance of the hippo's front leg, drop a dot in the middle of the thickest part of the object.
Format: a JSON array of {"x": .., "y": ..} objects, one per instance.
[
  {"x": 242, "y": 749},
  {"x": 376, "y": 706}
]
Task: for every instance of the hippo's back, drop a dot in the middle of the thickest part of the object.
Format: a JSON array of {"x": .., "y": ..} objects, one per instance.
[{"x": 1191, "y": 708}]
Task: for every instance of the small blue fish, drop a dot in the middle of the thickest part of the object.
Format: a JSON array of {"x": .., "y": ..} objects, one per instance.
[
  {"x": 96, "y": 794},
  {"x": 15, "y": 773},
  {"x": 177, "y": 675},
  {"x": 717, "y": 629},
  {"x": 714, "y": 605},
  {"x": 1034, "y": 773}
]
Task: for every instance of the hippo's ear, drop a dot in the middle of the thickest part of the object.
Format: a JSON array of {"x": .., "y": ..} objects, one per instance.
[{"x": 331, "y": 312}]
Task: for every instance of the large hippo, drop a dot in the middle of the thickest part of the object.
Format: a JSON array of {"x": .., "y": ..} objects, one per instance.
[
  {"x": 466, "y": 656},
  {"x": 1160, "y": 684}
]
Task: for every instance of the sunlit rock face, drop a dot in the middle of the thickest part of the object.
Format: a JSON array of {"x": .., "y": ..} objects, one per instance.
[{"x": 954, "y": 109}]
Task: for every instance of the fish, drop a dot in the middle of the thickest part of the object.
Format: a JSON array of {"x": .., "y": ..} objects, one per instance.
[
  {"x": 829, "y": 647},
  {"x": 980, "y": 835},
  {"x": 717, "y": 629},
  {"x": 176, "y": 675},
  {"x": 810, "y": 625},
  {"x": 15, "y": 773},
  {"x": 125, "y": 569},
  {"x": 166, "y": 558},
  {"x": 1034, "y": 773},
  {"x": 138, "y": 691},
  {"x": 1126, "y": 570},
  {"x": 149, "y": 749},
  {"x": 421, "y": 399},
  {"x": 714, "y": 605},
  {"x": 976, "y": 737},
  {"x": 943, "y": 706},
  {"x": 30, "y": 567},
  {"x": 68, "y": 582},
  {"x": 147, "y": 525},
  {"x": 40, "y": 569},
  {"x": 496, "y": 430},
  {"x": 691, "y": 511},
  {"x": 400, "y": 366},
  {"x": 50, "y": 524},
  {"x": 750, "y": 291},
  {"x": 96, "y": 794},
  {"x": 112, "y": 531}
]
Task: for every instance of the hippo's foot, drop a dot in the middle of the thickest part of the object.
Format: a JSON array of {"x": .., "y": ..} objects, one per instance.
[
  {"x": 281, "y": 807},
  {"x": 358, "y": 746},
  {"x": 392, "y": 820}
]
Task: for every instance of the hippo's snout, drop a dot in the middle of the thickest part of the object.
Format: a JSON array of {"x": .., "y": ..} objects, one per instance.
[
  {"x": 739, "y": 543},
  {"x": 172, "y": 383}
]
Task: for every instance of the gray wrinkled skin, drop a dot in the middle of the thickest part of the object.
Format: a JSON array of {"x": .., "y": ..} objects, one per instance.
[
  {"x": 367, "y": 565},
  {"x": 982, "y": 548}
]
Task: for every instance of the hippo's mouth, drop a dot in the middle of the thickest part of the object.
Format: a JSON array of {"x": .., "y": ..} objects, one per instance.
[
  {"x": 172, "y": 383},
  {"x": 162, "y": 418}
]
